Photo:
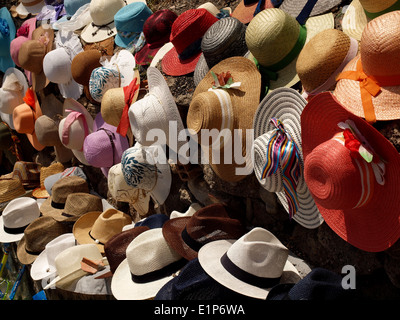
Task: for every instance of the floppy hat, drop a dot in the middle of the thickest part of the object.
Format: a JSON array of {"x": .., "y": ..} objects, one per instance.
[
  {"x": 28, "y": 173},
  {"x": 129, "y": 22},
  {"x": 98, "y": 227},
  {"x": 38, "y": 233},
  {"x": 71, "y": 171},
  {"x": 121, "y": 191},
  {"x": 76, "y": 125},
  {"x": 278, "y": 158},
  {"x": 319, "y": 7},
  {"x": 369, "y": 85},
  {"x": 224, "y": 39},
  {"x": 77, "y": 16},
  {"x": 156, "y": 30},
  {"x": 194, "y": 207},
  {"x": 44, "y": 264},
  {"x": 275, "y": 39},
  {"x": 104, "y": 146},
  {"x": 186, "y": 34},
  {"x": 83, "y": 64},
  {"x": 7, "y": 34},
  {"x": 16, "y": 216},
  {"x": 156, "y": 110},
  {"x": 141, "y": 171},
  {"x": 351, "y": 180},
  {"x": 226, "y": 109},
  {"x": 41, "y": 192},
  {"x": 187, "y": 235},
  {"x": 251, "y": 265},
  {"x": 150, "y": 263},
  {"x": 26, "y": 7},
  {"x": 322, "y": 59},
  {"x": 12, "y": 91}
]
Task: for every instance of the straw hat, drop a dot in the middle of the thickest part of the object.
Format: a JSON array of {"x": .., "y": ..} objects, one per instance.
[
  {"x": 41, "y": 192},
  {"x": 28, "y": 173},
  {"x": 71, "y": 171},
  {"x": 322, "y": 59},
  {"x": 294, "y": 7},
  {"x": 207, "y": 112},
  {"x": 187, "y": 235},
  {"x": 26, "y": 7},
  {"x": 194, "y": 207},
  {"x": 360, "y": 12},
  {"x": 247, "y": 9},
  {"x": 16, "y": 217},
  {"x": 12, "y": 91},
  {"x": 350, "y": 184},
  {"x": 150, "y": 263},
  {"x": 224, "y": 39},
  {"x": 39, "y": 233},
  {"x": 143, "y": 170},
  {"x": 376, "y": 97},
  {"x": 278, "y": 117},
  {"x": 186, "y": 34},
  {"x": 251, "y": 265},
  {"x": 98, "y": 227},
  {"x": 7, "y": 34},
  {"x": 275, "y": 39},
  {"x": 9, "y": 190}
]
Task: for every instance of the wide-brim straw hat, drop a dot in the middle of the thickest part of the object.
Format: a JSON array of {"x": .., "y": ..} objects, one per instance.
[
  {"x": 294, "y": 7},
  {"x": 245, "y": 12},
  {"x": 26, "y": 7},
  {"x": 41, "y": 192},
  {"x": 335, "y": 178},
  {"x": 269, "y": 49},
  {"x": 378, "y": 63},
  {"x": 206, "y": 112},
  {"x": 286, "y": 105}
]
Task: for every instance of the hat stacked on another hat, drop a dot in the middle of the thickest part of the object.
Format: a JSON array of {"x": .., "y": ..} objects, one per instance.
[
  {"x": 7, "y": 34},
  {"x": 9, "y": 190},
  {"x": 27, "y": 7},
  {"x": 246, "y": 10},
  {"x": 72, "y": 171},
  {"x": 41, "y": 192},
  {"x": 77, "y": 16}
]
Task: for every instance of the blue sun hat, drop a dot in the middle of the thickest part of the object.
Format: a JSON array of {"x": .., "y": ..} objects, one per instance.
[
  {"x": 129, "y": 22},
  {"x": 7, "y": 34}
]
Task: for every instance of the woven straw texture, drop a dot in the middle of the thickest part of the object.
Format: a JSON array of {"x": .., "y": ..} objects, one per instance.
[
  {"x": 78, "y": 204},
  {"x": 294, "y": 7},
  {"x": 10, "y": 189}
]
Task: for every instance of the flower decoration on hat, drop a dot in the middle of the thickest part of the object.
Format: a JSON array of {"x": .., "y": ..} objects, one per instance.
[
  {"x": 29, "y": 98},
  {"x": 4, "y": 27},
  {"x": 224, "y": 80}
]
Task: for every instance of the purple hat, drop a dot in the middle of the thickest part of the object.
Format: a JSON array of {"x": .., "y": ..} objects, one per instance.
[{"x": 104, "y": 146}]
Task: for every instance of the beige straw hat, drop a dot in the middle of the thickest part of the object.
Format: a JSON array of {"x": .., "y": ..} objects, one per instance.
[
  {"x": 41, "y": 192},
  {"x": 294, "y": 7},
  {"x": 10, "y": 189}
]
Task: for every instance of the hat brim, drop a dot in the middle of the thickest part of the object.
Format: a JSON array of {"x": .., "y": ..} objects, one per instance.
[
  {"x": 23, "y": 256},
  {"x": 40, "y": 193},
  {"x": 161, "y": 53},
  {"x": 72, "y": 89},
  {"x": 209, "y": 257},
  {"x": 354, "y": 20},
  {"x": 82, "y": 227},
  {"x": 25, "y": 10},
  {"x": 294, "y": 7},
  {"x": 172, "y": 230},
  {"x": 145, "y": 55},
  {"x": 173, "y": 66},
  {"x": 245, "y": 13},
  {"x": 100, "y": 34}
]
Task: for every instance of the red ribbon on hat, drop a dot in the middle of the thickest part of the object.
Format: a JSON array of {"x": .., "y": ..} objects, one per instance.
[
  {"x": 129, "y": 93},
  {"x": 29, "y": 98}
]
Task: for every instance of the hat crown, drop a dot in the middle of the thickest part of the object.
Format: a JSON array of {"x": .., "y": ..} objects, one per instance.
[
  {"x": 24, "y": 119},
  {"x": 58, "y": 245},
  {"x": 66, "y": 186},
  {"x": 72, "y": 6},
  {"x": 157, "y": 28},
  {"x": 57, "y": 66},
  {"x": 83, "y": 64},
  {"x": 118, "y": 187},
  {"x": 79, "y": 203},
  {"x": 374, "y": 6},
  {"x": 103, "y": 11},
  {"x": 20, "y": 212},
  {"x": 46, "y": 130},
  {"x": 31, "y": 55},
  {"x": 132, "y": 17},
  {"x": 10, "y": 189}
]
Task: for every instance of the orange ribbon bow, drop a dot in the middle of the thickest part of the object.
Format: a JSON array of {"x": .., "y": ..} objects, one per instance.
[{"x": 129, "y": 94}]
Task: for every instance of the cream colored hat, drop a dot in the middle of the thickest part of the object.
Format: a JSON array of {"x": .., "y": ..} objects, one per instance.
[
  {"x": 12, "y": 91},
  {"x": 193, "y": 208}
]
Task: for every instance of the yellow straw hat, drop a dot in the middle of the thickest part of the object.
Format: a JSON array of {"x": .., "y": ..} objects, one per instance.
[{"x": 41, "y": 192}]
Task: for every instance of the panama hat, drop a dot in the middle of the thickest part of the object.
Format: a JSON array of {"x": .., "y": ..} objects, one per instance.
[
  {"x": 71, "y": 171},
  {"x": 16, "y": 217},
  {"x": 319, "y": 7},
  {"x": 187, "y": 235},
  {"x": 226, "y": 109},
  {"x": 250, "y": 265},
  {"x": 7, "y": 34},
  {"x": 121, "y": 191},
  {"x": 144, "y": 168},
  {"x": 150, "y": 263},
  {"x": 322, "y": 59},
  {"x": 41, "y": 192},
  {"x": 26, "y": 7},
  {"x": 156, "y": 30},
  {"x": 98, "y": 227},
  {"x": 247, "y": 9},
  {"x": 275, "y": 39},
  {"x": 369, "y": 85},
  {"x": 350, "y": 180},
  {"x": 224, "y": 39},
  {"x": 194, "y": 207},
  {"x": 186, "y": 34},
  {"x": 12, "y": 91},
  {"x": 360, "y": 12},
  {"x": 277, "y": 129}
]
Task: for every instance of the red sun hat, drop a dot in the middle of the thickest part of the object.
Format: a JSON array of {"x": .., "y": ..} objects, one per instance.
[
  {"x": 186, "y": 35},
  {"x": 352, "y": 172}
]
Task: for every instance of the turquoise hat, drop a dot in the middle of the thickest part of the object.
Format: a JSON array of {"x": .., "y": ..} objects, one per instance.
[
  {"x": 129, "y": 22},
  {"x": 7, "y": 34}
]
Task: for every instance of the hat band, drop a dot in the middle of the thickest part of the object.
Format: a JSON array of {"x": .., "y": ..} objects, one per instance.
[
  {"x": 160, "y": 273},
  {"x": 111, "y": 137},
  {"x": 245, "y": 276},
  {"x": 193, "y": 244},
  {"x": 15, "y": 230},
  {"x": 306, "y": 11},
  {"x": 373, "y": 15},
  {"x": 191, "y": 50},
  {"x": 69, "y": 120},
  {"x": 110, "y": 31},
  {"x": 57, "y": 205}
]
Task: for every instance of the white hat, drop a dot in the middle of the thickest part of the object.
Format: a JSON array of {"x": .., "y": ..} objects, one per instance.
[
  {"x": 193, "y": 208},
  {"x": 251, "y": 265},
  {"x": 44, "y": 265},
  {"x": 26, "y": 7},
  {"x": 149, "y": 264},
  {"x": 17, "y": 215},
  {"x": 161, "y": 53},
  {"x": 77, "y": 21},
  {"x": 13, "y": 90},
  {"x": 142, "y": 170}
]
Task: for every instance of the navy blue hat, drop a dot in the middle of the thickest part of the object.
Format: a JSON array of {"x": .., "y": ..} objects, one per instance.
[{"x": 154, "y": 221}]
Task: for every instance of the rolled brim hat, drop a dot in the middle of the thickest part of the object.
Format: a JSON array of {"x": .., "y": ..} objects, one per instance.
[
  {"x": 278, "y": 117},
  {"x": 7, "y": 34}
]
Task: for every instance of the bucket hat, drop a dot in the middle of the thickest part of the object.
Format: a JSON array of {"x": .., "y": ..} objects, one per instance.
[
  {"x": 186, "y": 34},
  {"x": 368, "y": 170},
  {"x": 224, "y": 39},
  {"x": 142, "y": 171},
  {"x": 276, "y": 53},
  {"x": 26, "y": 7},
  {"x": 28, "y": 173},
  {"x": 98, "y": 227},
  {"x": 71, "y": 171},
  {"x": 369, "y": 85},
  {"x": 156, "y": 30},
  {"x": 12, "y": 91},
  {"x": 194, "y": 207},
  {"x": 41, "y": 192},
  {"x": 129, "y": 21},
  {"x": 16, "y": 217},
  {"x": 322, "y": 59},
  {"x": 141, "y": 278},
  {"x": 250, "y": 265},
  {"x": 226, "y": 109},
  {"x": 187, "y": 235},
  {"x": 278, "y": 157},
  {"x": 7, "y": 34},
  {"x": 319, "y": 7}
]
